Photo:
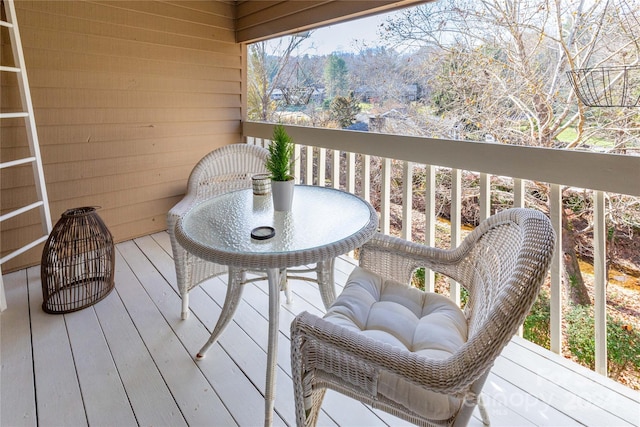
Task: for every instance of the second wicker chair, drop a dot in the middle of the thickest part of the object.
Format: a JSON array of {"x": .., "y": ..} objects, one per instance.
[{"x": 416, "y": 354}]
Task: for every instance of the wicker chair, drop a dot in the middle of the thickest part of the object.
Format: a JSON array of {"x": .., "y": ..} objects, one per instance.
[
  {"x": 225, "y": 169},
  {"x": 416, "y": 354}
]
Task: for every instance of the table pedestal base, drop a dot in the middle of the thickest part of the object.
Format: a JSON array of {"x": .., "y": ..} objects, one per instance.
[{"x": 275, "y": 277}]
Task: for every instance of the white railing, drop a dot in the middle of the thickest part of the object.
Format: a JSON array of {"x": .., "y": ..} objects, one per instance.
[{"x": 558, "y": 168}]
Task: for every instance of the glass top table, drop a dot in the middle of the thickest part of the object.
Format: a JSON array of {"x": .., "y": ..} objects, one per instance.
[{"x": 323, "y": 223}]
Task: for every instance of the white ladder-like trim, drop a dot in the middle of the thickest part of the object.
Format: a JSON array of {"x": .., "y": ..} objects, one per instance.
[{"x": 32, "y": 136}]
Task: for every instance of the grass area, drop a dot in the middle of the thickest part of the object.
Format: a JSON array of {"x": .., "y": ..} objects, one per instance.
[{"x": 570, "y": 134}]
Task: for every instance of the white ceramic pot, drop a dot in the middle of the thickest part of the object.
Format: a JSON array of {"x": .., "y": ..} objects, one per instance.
[{"x": 282, "y": 193}]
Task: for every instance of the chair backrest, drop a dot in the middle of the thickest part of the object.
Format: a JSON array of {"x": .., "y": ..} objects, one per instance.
[
  {"x": 226, "y": 169},
  {"x": 504, "y": 262}
]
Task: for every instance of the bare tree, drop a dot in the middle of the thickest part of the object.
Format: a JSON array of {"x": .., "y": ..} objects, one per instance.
[
  {"x": 510, "y": 56},
  {"x": 267, "y": 63}
]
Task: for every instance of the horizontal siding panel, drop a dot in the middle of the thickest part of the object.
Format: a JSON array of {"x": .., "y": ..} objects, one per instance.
[
  {"x": 152, "y": 212},
  {"x": 118, "y": 200},
  {"x": 153, "y": 161},
  {"x": 131, "y": 82},
  {"x": 86, "y": 98},
  {"x": 154, "y": 136},
  {"x": 15, "y": 240},
  {"x": 123, "y": 199},
  {"x": 122, "y": 22},
  {"x": 17, "y": 197},
  {"x": 96, "y": 62},
  {"x": 193, "y": 149},
  {"x": 223, "y": 8},
  {"x": 91, "y": 116},
  {"x": 78, "y": 42},
  {"x": 194, "y": 12},
  {"x": 141, "y": 227}
]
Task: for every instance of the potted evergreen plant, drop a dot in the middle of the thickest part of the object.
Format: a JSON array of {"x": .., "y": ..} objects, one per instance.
[{"x": 279, "y": 165}]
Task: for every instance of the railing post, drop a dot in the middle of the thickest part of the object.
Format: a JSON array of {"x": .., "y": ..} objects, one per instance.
[
  {"x": 600, "y": 278},
  {"x": 407, "y": 200},
  {"x": 555, "y": 211}
]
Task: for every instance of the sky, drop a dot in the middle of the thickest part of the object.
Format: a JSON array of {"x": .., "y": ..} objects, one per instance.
[{"x": 342, "y": 37}]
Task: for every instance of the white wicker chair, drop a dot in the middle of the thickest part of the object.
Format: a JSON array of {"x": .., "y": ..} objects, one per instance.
[
  {"x": 416, "y": 354},
  {"x": 225, "y": 169}
]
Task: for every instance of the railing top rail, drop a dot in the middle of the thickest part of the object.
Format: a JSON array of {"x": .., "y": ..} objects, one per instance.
[{"x": 596, "y": 171}]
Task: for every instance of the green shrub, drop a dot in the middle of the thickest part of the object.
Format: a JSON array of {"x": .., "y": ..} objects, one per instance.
[
  {"x": 622, "y": 341},
  {"x": 538, "y": 323}
]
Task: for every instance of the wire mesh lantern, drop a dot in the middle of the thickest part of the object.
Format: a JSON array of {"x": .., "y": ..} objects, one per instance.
[
  {"x": 299, "y": 91},
  {"x": 78, "y": 262},
  {"x": 299, "y": 95},
  {"x": 617, "y": 86}
]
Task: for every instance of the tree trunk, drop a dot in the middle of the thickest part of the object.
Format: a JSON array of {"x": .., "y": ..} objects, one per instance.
[{"x": 574, "y": 283}]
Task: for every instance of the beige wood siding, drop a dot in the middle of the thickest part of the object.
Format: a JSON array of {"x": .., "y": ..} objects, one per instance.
[
  {"x": 260, "y": 19},
  {"x": 128, "y": 96}
]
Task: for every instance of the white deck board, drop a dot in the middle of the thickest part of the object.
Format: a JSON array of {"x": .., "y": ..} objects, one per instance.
[
  {"x": 150, "y": 398},
  {"x": 17, "y": 407},
  {"x": 97, "y": 373},
  {"x": 58, "y": 396},
  {"x": 128, "y": 360}
]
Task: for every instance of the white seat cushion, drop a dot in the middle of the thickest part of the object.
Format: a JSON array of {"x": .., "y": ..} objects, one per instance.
[{"x": 421, "y": 322}]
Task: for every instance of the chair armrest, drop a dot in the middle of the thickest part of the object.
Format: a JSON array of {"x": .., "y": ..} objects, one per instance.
[
  {"x": 326, "y": 341},
  {"x": 180, "y": 208},
  {"x": 395, "y": 258}
]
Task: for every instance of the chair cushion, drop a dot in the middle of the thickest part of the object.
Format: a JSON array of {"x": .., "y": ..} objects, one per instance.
[{"x": 426, "y": 323}]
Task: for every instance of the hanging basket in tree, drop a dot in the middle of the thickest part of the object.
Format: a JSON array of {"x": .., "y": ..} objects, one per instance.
[
  {"x": 607, "y": 86},
  {"x": 299, "y": 95},
  {"x": 297, "y": 92}
]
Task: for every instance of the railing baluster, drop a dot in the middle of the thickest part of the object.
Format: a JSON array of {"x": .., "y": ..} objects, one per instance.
[
  {"x": 366, "y": 177},
  {"x": 518, "y": 193},
  {"x": 322, "y": 166},
  {"x": 351, "y": 172},
  {"x": 430, "y": 220},
  {"x": 385, "y": 196},
  {"x": 308, "y": 176},
  {"x": 485, "y": 196},
  {"x": 407, "y": 200},
  {"x": 555, "y": 211},
  {"x": 518, "y": 202},
  {"x": 296, "y": 162},
  {"x": 600, "y": 279},
  {"x": 335, "y": 169},
  {"x": 456, "y": 225}
]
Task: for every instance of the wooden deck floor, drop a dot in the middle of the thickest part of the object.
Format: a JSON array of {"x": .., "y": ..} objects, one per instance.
[{"x": 128, "y": 360}]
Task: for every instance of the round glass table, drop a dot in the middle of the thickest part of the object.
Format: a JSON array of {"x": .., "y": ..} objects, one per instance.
[{"x": 323, "y": 223}]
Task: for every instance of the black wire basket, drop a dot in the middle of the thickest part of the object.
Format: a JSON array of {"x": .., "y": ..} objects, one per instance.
[
  {"x": 607, "y": 86},
  {"x": 78, "y": 262}
]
